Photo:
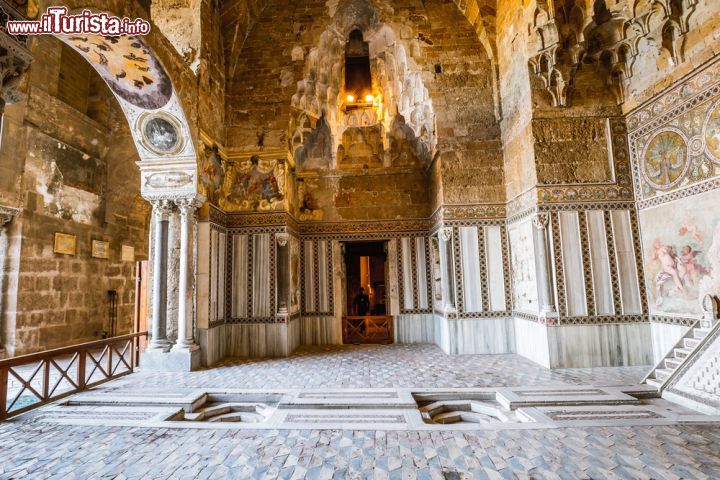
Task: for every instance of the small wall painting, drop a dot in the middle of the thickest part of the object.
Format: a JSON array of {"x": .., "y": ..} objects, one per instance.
[{"x": 64, "y": 243}]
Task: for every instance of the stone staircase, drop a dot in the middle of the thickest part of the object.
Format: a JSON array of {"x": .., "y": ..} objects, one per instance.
[{"x": 683, "y": 350}]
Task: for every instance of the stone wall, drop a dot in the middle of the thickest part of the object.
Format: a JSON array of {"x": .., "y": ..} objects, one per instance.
[{"x": 78, "y": 174}]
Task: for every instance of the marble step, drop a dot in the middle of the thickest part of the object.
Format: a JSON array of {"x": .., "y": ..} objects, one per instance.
[
  {"x": 682, "y": 353},
  {"x": 691, "y": 342},
  {"x": 654, "y": 383},
  {"x": 672, "y": 363},
  {"x": 663, "y": 374},
  {"x": 700, "y": 333}
]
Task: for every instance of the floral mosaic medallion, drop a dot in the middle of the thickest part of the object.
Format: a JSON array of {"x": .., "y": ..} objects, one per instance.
[
  {"x": 665, "y": 161},
  {"x": 711, "y": 133}
]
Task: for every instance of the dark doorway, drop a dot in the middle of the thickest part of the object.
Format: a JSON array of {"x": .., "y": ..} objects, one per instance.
[{"x": 366, "y": 320}]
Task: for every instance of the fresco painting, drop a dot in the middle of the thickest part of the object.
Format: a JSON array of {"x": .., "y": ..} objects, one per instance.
[
  {"x": 211, "y": 174},
  {"x": 680, "y": 242},
  {"x": 254, "y": 185},
  {"x": 129, "y": 67}
]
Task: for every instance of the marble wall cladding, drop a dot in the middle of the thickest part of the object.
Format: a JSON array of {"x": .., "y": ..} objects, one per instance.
[
  {"x": 323, "y": 277},
  {"x": 261, "y": 286},
  {"x": 626, "y": 262},
  {"x": 608, "y": 345},
  {"x": 257, "y": 340},
  {"x": 531, "y": 341},
  {"x": 218, "y": 271},
  {"x": 239, "y": 276},
  {"x": 418, "y": 328},
  {"x": 422, "y": 278},
  {"x": 407, "y": 300},
  {"x": 522, "y": 262},
  {"x": 600, "y": 263},
  {"x": 294, "y": 335},
  {"x": 212, "y": 344},
  {"x": 309, "y": 276},
  {"x": 203, "y": 276},
  {"x": 442, "y": 336},
  {"x": 481, "y": 336},
  {"x": 472, "y": 284},
  {"x": 664, "y": 338},
  {"x": 317, "y": 275},
  {"x": 495, "y": 270},
  {"x": 319, "y": 330},
  {"x": 575, "y": 293}
]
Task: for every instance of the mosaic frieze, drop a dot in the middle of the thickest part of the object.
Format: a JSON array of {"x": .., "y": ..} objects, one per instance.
[{"x": 675, "y": 140}]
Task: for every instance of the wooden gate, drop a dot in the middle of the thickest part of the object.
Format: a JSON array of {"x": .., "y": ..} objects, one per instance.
[{"x": 368, "y": 329}]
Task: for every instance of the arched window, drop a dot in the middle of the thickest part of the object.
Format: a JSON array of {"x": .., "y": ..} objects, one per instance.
[{"x": 358, "y": 79}]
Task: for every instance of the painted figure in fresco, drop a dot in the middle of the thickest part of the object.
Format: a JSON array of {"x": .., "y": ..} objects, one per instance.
[
  {"x": 669, "y": 262},
  {"x": 211, "y": 174},
  {"x": 255, "y": 185},
  {"x": 692, "y": 268}
]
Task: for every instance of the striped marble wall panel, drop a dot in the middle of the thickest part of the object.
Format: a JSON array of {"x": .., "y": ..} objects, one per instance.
[
  {"x": 218, "y": 270},
  {"x": 572, "y": 264},
  {"x": 407, "y": 273},
  {"x": 413, "y": 271},
  {"x": 309, "y": 276},
  {"x": 261, "y": 284},
  {"x": 239, "y": 301},
  {"x": 495, "y": 268},
  {"x": 472, "y": 282},
  {"x": 323, "y": 277},
  {"x": 626, "y": 262},
  {"x": 422, "y": 268},
  {"x": 600, "y": 261},
  {"x": 317, "y": 286}
]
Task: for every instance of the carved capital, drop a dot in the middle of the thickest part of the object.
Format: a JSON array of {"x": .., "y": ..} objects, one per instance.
[
  {"x": 541, "y": 221},
  {"x": 162, "y": 209},
  {"x": 446, "y": 234},
  {"x": 187, "y": 206},
  {"x": 282, "y": 239}
]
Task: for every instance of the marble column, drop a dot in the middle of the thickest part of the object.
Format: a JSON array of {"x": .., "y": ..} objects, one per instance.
[
  {"x": 282, "y": 273},
  {"x": 185, "y": 337},
  {"x": 160, "y": 213},
  {"x": 543, "y": 267}
]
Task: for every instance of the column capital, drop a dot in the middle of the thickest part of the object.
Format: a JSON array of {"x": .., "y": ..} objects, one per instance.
[
  {"x": 162, "y": 208},
  {"x": 541, "y": 221},
  {"x": 446, "y": 234},
  {"x": 282, "y": 238}
]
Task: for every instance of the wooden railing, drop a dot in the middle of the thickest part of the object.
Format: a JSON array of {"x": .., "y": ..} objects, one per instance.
[
  {"x": 30, "y": 381},
  {"x": 368, "y": 329}
]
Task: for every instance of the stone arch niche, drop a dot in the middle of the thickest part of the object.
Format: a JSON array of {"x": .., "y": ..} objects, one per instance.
[
  {"x": 398, "y": 124},
  {"x": 168, "y": 176},
  {"x": 145, "y": 92}
]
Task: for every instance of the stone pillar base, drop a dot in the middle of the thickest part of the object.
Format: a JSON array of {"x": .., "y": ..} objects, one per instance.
[{"x": 172, "y": 361}]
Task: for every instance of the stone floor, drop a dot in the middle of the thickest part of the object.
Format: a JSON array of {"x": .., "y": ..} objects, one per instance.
[
  {"x": 372, "y": 366},
  {"x": 30, "y": 448}
]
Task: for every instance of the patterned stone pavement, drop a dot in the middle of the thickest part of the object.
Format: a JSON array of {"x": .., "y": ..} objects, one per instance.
[
  {"x": 371, "y": 366},
  {"x": 32, "y": 449}
]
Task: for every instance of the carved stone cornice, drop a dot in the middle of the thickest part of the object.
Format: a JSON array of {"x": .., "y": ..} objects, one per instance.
[
  {"x": 7, "y": 214},
  {"x": 15, "y": 60}
]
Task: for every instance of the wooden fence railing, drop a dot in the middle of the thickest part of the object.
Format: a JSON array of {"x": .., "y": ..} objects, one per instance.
[
  {"x": 30, "y": 381},
  {"x": 368, "y": 329}
]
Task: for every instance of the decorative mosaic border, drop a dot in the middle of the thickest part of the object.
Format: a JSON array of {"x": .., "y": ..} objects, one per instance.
[
  {"x": 671, "y": 320},
  {"x": 658, "y": 114}
]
